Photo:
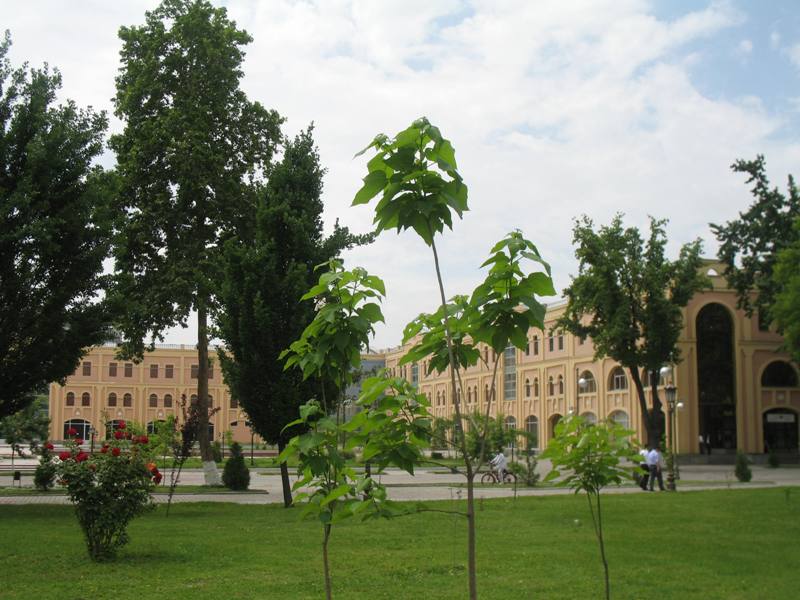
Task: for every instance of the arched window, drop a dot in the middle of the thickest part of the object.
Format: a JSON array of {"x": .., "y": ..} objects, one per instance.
[
  {"x": 210, "y": 401},
  {"x": 70, "y": 399},
  {"x": 86, "y": 399},
  {"x": 486, "y": 355},
  {"x": 590, "y": 418},
  {"x": 127, "y": 400},
  {"x": 193, "y": 399},
  {"x": 532, "y": 429},
  {"x": 536, "y": 345},
  {"x": 779, "y": 373},
  {"x": 112, "y": 399},
  {"x": 486, "y": 393},
  {"x": 527, "y": 388},
  {"x": 620, "y": 417},
  {"x": 551, "y": 388},
  {"x": 509, "y": 423},
  {"x": 154, "y": 426},
  {"x": 153, "y": 401},
  {"x": 617, "y": 380},
  {"x": 210, "y": 431},
  {"x": 587, "y": 383},
  {"x": 560, "y": 385},
  {"x": 82, "y": 429},
  {"x": 535, "y": 387},
  {"x": 111, "y": 427},
  {"x": 167, "y": 400}
]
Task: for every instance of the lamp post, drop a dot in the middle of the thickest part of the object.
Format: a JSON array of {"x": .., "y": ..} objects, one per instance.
[
  {"x": 252, "y": 439},
  {"x": 92, "y": 432},
  {"x": 670, "y": 391}
]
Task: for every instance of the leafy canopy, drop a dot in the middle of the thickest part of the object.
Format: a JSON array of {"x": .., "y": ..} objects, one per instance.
[{"x": 786, "y": 308}]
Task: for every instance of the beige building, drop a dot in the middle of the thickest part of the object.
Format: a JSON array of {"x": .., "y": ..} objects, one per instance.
[
  {"x": 737, "y": 389},
  {"x": 104, "y": 389}
]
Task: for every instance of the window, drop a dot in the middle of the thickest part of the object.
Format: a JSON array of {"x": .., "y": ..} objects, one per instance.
[
  {"x": 167, "y": 401},
  {"x": 486, "y": 393},
  {"x": 87, "y": 368},
  {"x": 111, "y": 427},
  {"x": 620, "y": 417},
  {"x": 532, "y": 429},
  {"x": 536, "y": 345},
  {"x": 486, "y": 355},
  {"x": 168, "y": 371},
  {"x": 551, "y": 388},
  {"x": 70, "y": 399},
  {"x": 510, "y": 423},
  {"x": 587, "y": 383},
  {"x": 112, "y": 399},
  {"x": 153, "y": 371},
  {"x": 153, "y": 401},
  {"x": 510, "y": 373},
  {"x": 560, "y": 385},
  {"x": 234, "y": 402},
  {"x": 535, "y": 387},
  {"x": 193, "y": 399},
  {"x": 779, "y": 374},
  {"x": 86, "y": 399},
  {"x": 82, "y": 428},
  {"x": 415, "y": 373},
  {"x": 590, "y": 418},
  {"x": 211, "y": 371},
  {"x": 195, "y": 371},
  {"x": 112, "y": 369},
  {"x": 560, "y": 340},
  {"x": 527, "y": 388},
  {"x": 127, "y": 401},
  {"x": 617, "y": 380},
  {"x": 154, "y": 426},
  {"x": 528, "y": 348},
  {"x": 128, "y": 369},
  {"x": 550, "y": 343},
  {"x": 210, "y": 401}
]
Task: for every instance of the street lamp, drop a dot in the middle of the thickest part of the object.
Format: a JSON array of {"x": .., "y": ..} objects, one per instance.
[
  {"x": 671, "y": 392},
  {"x": 92, "y": 432},
  {"x": 252, "y": 439}
]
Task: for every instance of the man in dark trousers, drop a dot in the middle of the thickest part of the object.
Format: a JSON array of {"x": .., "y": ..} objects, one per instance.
[{"x": 655, "y": 462}]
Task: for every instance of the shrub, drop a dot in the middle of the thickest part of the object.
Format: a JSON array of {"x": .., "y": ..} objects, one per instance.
[
  {"x": 216, "y": 452},
  {"x": 236, "y": 475},
  {"x": 528, "y": 472},
  {"x": 772, "y": 460},
  {"x": 437, "y": 455},
  {"x": 45, "y": 475},
  {"x": 108, "y": 489},
  {"x": 743, "y": 472}
]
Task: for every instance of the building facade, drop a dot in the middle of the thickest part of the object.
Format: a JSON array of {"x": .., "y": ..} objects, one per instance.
[
  {"x": 104, "y": 390},
  {"x": 737, "y": 389}
]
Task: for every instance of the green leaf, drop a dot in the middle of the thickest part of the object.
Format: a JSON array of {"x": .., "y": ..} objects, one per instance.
[
  {"x": 374, "y": 183},
  {"x": 337, "y": 493}
]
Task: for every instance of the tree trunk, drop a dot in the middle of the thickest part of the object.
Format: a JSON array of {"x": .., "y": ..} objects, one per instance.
[
  {"x": 210, "y": 471},
  {"x": 328, "y": 586},
  {"x": 287, "y": 488},
  {"x": 650, "y": 425},
  {"x": 472, "y": 567}
]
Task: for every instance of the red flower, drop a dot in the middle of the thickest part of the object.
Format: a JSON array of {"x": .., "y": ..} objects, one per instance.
[
  {"x": 118, "y": 435},
  {"x": 144, "y": 439},
  {"x": 72, "y": 431},
  {"x": 82, "y": 456},
  {"x": 128, "y": 435},
  {"x": 121, "y": 425},
  {"x": 49, "y": 446},
  {"x": 66, "y": 455},
  {"x": 104, "y": 449},
  {"x": 115, "y": 451},
  {"x": 78, "y": 441}
]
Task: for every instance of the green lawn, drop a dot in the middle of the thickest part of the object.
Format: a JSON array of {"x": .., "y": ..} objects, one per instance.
[{"x": 724, "y": 544}]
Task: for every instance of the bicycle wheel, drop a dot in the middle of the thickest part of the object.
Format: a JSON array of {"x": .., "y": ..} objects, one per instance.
[
  {"x": 487, "y": 478},
  {"x": 509, "y": 478}
]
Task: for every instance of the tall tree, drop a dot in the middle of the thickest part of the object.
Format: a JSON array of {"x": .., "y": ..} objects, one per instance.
[
  {"x": 190, "y": 156},
  {"x": 786, "y": 309},
  {"x": 54, "y": 232},
  {"x": 628, "y": 298},
  {"x": 27, "y": 426},
  {"x": 265, "y": 272},
  {"x": 749, "y": 245}
]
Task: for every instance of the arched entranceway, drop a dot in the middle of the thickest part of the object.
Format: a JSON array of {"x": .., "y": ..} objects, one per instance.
[
  {"x": 780, "y": 430},
  {"x": 716, "y": 377},
  {"x": 551, "y": 425}
]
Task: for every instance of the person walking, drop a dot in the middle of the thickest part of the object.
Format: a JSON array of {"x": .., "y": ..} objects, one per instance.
[
  {"x": 645, "y": 475},
  {"x": 655, "y": 462}
]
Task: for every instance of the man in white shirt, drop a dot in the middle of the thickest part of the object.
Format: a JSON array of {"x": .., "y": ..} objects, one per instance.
[
  {"x": 499, "y": 463},
  {"x": 655, "y": 463},
  {"x": 643, "y": 477}
]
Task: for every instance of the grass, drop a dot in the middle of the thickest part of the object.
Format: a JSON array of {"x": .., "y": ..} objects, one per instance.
[
  {"x": 711, "y": 545},
  {"x": 181, "y": 489}
]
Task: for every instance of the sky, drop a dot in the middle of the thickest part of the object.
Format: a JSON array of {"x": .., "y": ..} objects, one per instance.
[{"x": 556, "y": 109}]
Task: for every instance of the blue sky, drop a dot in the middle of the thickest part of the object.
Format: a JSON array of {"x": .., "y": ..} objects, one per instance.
[{"x": 555, "y": 108}]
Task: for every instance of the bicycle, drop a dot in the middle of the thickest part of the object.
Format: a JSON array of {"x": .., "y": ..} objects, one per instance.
[{"x": 491, "y": 477}]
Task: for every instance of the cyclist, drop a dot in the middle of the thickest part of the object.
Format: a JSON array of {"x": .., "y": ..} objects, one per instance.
[{"x": 499, "y": 464}]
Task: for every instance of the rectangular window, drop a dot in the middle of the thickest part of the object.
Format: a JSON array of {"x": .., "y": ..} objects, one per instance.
[
  {"x": 234, "y": 402},
  {"x": 561, "y": 341},
  {"x": 168, "y": 371},
  {"x": 550, "y": 343},
  {"x": 128, "y": 369},
  {"x": 415, "y": 374},
  {"x": 211, "y": 371},
  {"x": 153, "y": 371},
  {"x": 510, "y": 373},
  {"x": 112, "y": 369},
  {"x": 87, "y": 368},
  {"x": 195, "y": 371},
  {"x": 528, "y": 348}
]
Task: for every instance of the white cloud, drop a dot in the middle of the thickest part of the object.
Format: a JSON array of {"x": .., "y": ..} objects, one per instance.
[
  {"x": 555, "y": 109},
  {"x": 745, "y": 48},
  {"x": 793, "y": 52},
  {"x": 774, "y": 40}
]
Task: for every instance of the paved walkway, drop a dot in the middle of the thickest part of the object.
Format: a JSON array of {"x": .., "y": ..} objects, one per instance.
[{"x": 437, "y": 484}]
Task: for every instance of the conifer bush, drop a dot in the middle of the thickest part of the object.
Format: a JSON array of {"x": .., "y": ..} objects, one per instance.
[
  {"x": 236, "y": 475},
  {"x": 45, "y": 475},
  {"x": 743, "y": 472}
]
